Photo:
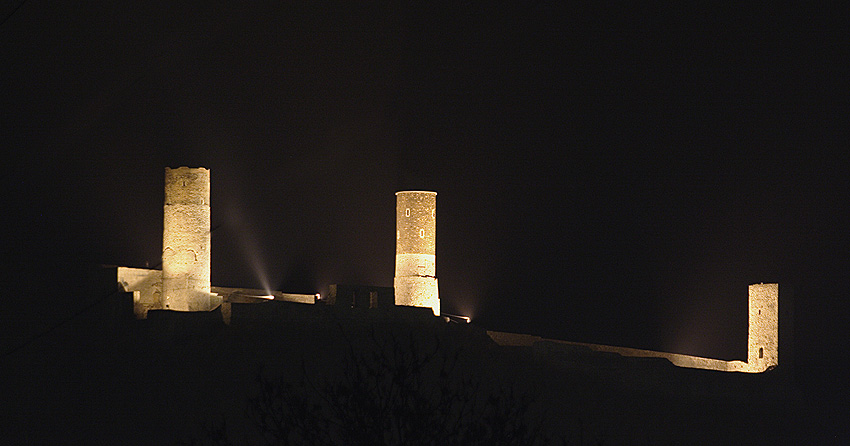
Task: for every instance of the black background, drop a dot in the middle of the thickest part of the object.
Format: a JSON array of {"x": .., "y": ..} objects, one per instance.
[{"x": 606, "y": 175}]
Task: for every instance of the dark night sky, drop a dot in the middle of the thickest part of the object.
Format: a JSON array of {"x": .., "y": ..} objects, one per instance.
[{"x": 604, "y": 175}]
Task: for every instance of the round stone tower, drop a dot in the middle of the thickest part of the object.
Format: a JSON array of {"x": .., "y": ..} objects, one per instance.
[
  {"x": 415, "y": 253},
  {"x": 186, "y": 241}
]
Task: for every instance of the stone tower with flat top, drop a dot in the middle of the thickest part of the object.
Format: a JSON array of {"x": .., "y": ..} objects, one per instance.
[
  {"x": 415, "y": 254},
  {"x": 763, "y": 336},
  {"x": 186, "y": 241}
]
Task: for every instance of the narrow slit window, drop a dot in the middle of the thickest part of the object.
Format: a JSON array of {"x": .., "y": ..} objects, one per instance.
[
  {"x": 761, "y": 352},
  {"x": 407, "y": 212},
  {"x": 422, "y": 233}
]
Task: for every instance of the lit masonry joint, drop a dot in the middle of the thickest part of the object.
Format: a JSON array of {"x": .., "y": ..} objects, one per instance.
[
  {"x": 416, "y": 240},
  {"x": 186, "y": 241}
]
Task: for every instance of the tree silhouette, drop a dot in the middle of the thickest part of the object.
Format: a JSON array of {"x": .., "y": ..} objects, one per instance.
[{"x": 398, "y": 388}]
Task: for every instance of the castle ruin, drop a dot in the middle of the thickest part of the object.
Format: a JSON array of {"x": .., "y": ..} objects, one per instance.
[{"x": 183, "y": 284}]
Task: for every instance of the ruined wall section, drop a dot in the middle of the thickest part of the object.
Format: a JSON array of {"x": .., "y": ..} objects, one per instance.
[
  {"x": 762, "y": 341},
  {"x": 146, "y": 286},
  {"x": 416, "y": 241},
  {"x": 186, "y": 241}
]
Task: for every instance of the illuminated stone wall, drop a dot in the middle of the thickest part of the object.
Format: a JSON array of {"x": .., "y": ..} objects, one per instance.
[
  {"x": 186, "y": 241},
  {"x": 763, "y": 337},
  {"x": 243, "y": 295},
  {"x": 416, "y": 240},
  {"x": 146, "y": 286}
]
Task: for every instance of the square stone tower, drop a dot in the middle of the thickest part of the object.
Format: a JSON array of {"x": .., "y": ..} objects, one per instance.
[
  {"x": 763, "y": 336},
  {"x": 186, "y": 241},
  {"x": 415, "y": 256}
]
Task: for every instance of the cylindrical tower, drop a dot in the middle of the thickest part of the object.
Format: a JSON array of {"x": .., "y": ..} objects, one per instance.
[
  {"x": 415, "y": 253},
  {"x": 186, "y": 241}
]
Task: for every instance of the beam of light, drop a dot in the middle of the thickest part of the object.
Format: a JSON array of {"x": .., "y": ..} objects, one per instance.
[
  {"x": 259, "y": 270},
  {"x": 249, "y": 245}
]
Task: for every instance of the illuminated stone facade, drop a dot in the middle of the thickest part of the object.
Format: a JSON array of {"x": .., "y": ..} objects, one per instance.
[
  {"x": 186, "y": 241},
  {"x": 416, "y": 241},
  {"x": 146, "y": 286},
  {"x": 763, "y": 337}
]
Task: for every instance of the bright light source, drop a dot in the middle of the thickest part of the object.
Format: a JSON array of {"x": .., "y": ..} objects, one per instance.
[
  {"x": 456, "y": 318},
  {"x": 267, "y": 296},
  {"x": 318, "y": 296}
]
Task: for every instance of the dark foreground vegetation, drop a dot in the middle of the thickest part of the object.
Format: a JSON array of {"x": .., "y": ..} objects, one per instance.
[
  {"x": 295, "y": 374},
  {"x": 403, "y": 387}
]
